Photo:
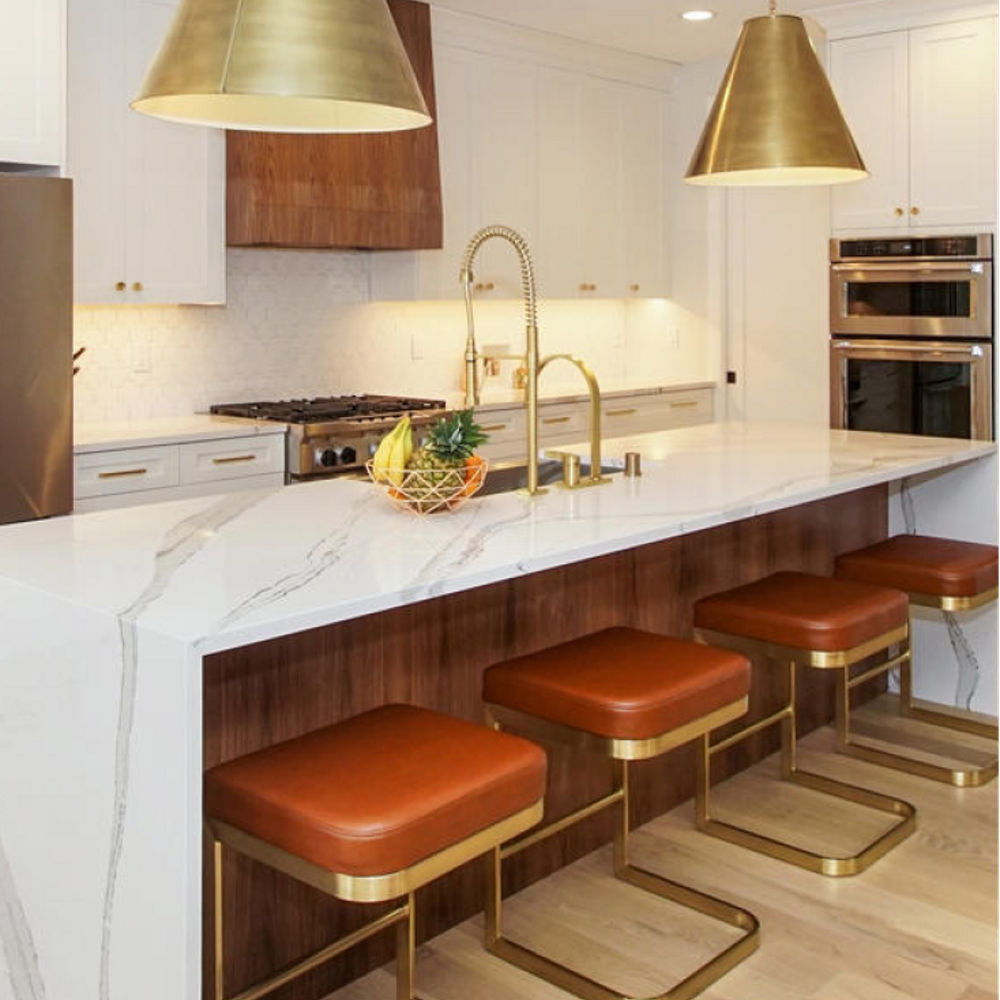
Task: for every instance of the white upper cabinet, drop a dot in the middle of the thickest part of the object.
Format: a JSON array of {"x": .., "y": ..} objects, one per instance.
[
  {"x": 564, "y": 143},
  {"x": 32, "y": 63},
  {"x": 953, "y": 123},
  {"x": 922, "y": 106},
  {"x": 871, "y": 80},
  {"x": 150, "y": 196}
]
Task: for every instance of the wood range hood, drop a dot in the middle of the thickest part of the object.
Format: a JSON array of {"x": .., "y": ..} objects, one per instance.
[{"x": 377, "y": 191}]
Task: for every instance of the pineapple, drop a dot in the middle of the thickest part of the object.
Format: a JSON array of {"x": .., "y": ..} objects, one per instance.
[{"x": 439, "y": 464}]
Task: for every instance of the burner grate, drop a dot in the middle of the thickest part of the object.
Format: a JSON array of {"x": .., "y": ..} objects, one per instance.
[{"x": 327, "y": 408}]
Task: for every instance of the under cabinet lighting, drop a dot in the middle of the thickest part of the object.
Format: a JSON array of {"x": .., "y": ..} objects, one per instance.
[{"x": 698, "y": 15}]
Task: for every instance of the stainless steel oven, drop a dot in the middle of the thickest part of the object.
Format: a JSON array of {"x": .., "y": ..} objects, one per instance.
[
  {"x": 937, "y": 388},
  {"x": 911, "y": 324},
  {"x": 937, "y": 287}
]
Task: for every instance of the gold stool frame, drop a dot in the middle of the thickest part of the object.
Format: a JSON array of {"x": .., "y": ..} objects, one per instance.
[
  {"x": 970, "y": 776},
  {"x": 621, "y": 752},
  {"x": 786, "y": 716},
  {"x": 400, "y": 885}
]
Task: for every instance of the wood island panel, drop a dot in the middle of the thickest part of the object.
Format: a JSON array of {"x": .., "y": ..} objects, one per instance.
[{"x": 434, "y": 653}]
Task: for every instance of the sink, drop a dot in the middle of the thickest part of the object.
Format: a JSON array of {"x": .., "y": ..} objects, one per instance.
[{"x": 507, "y": 478}]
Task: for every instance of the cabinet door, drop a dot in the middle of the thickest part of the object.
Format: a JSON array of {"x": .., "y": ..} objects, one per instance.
[
  {"x": 644, "y": 186},
  {"x": 504, "y": 165},
  {"x": 31, "y": 81},
  {"x": 95, "y": 144},
  {"x": 560, "y": 184},
  {"x": 953, "y": 123},
  {"x": 870, "y": 78},
  {"x": 175, "y": 241}
]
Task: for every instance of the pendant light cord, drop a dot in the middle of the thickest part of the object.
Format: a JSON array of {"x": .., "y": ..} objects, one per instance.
[
  {"x": 224, "y": 82},
  {"x": 772, "y": 7}
]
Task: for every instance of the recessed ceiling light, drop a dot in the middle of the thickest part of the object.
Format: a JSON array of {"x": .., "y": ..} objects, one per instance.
[{"x": 698, "y": 15}]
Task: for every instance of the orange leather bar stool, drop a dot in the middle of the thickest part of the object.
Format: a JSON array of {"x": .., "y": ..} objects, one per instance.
[
  {"x": 629, "y": 696},
  {"x": 369, "y": 810},
  {"x": 829, "y": 624},
  {"x": 935, "y": 573}
]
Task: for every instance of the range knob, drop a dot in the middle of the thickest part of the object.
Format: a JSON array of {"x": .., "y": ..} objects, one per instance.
[
  {"x": 328, "y": 458},
  {"x": 348, "y": 456}
]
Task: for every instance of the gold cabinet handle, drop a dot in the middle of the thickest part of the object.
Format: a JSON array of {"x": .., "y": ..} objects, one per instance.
[
  {"x": 233, "y": 459},
  {"x": 898, "y": 212},
  {"x": 120, "y": 286},
  {"x": 555, "y": 420},
  {"x": 915, "y": 210},
  {"x": 493, "y": 428},
  {"x": 487, "y": 286},
  {"x": 587, "y": 287},
  {"x": 122, "y": 474},
  {"x": 634, "y": 287},
  {"x": 683, "y": 404},
  {"x": 137, "y": 286},
  {"x": 621, "y": 413}
]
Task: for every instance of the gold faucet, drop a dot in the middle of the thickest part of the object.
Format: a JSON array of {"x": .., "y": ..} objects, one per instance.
[{"x": 529, "y": 359}]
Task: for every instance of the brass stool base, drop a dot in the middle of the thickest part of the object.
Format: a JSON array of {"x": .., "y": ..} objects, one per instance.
[
  {"x": 693, "y": 984},
  {"x": 822, "y": 864},
  {"x": 621, "y": 752},
  {"x": 786, "y": 717}
]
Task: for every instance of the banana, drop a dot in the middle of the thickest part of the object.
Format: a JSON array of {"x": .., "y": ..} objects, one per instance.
[
  {"x": 402, "y": 449},
  {"x": 383, "y": 454},
  {"x": 393, "y": 453}
]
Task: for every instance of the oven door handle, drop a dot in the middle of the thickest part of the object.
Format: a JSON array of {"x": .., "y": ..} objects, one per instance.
[
  {"x": 957, "y": 350},
  {"x": 975, "y": 267}
]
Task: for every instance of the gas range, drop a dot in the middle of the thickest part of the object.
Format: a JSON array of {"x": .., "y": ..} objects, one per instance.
[{"x": 335, "y": 434}]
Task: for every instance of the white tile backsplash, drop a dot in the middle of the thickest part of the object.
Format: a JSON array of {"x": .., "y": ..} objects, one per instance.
[{"x": 300, "y": 323}]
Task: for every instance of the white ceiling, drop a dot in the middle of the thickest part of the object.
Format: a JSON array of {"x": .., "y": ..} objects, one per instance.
[{"x": 654, "y": 27}]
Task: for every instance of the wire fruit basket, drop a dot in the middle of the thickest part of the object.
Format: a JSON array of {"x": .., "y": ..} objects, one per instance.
[{"x": 427, "y": 491}]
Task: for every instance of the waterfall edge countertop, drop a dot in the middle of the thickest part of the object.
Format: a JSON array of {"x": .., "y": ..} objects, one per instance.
[
  {"x": 218, "y": 573},
  {"x": 106, "y": 618}
]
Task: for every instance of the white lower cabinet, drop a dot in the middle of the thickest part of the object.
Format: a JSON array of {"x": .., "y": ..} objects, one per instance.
[
  {"x": 561, "y": 423},
  {"x": 125, "y": 477}
]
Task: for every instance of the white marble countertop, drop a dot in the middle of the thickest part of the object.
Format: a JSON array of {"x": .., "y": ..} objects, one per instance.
[
  {"x": 106, "y": 617},
  {"x": 218, "y": 573},
  {"x": 166, "y": 430}
]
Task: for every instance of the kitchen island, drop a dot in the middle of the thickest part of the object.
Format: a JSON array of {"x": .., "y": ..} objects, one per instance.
[{"x": 142, "y": 645}]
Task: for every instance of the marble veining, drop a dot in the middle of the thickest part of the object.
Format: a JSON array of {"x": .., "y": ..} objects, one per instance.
[
  {"x": 15, "y": 937},
  {"x": 181, "y": 543}
]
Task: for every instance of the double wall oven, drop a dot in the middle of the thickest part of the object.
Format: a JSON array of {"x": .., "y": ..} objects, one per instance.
[{"x": 911, "y": 323}]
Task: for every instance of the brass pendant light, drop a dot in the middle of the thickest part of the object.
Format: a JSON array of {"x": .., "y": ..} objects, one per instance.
[
  {"x": 775, "y": 120},
  {"x": 284, "y": 66}
]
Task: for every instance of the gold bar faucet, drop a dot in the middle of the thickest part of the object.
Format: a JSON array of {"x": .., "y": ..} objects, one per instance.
[{"x": 530, "y": 358}]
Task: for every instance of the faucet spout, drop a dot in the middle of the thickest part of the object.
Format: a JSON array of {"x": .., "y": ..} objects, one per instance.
[{"x": 593, "y": 388}]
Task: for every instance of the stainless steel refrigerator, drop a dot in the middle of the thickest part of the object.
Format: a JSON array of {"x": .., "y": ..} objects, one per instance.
[{"x": 36, "y": 347}]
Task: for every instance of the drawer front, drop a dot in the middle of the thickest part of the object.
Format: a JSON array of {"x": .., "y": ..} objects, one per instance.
[
  {"x": 234, "y": 458},
  {"x": 563, "y": 422},
  {"x": 130, "y": 470},
  {"x": 502, "y": 426},
  {"x": 687, "y": 408}
]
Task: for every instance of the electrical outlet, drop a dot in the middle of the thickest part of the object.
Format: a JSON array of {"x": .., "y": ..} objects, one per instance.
[
  {"x": 142, "y": 359},
  {"x": 416, "y": 346}
]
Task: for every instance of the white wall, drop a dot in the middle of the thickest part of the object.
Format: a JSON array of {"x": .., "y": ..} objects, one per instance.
[{"x": 300, "y": 324}]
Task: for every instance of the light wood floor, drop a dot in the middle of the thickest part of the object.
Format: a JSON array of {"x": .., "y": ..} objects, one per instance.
[{"x": 921, "y": 923}]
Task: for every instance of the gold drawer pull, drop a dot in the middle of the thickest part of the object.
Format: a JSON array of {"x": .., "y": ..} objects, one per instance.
[
  {"x": 555, "y": 420},
  {"x": 493, "y": 428},
  {"x": 122, "y": 474},
  {"x": 120, "y": 286},
  {"x": 621, "y": 413},
  {"x": 683, "y": 404},
  {"x": 487, "y": 286},
  {"x": 588, "y": 287},
  {"x": 915, "y": 210},
  {"x": 634, "y": 287},
  {"x": 234, "y": 459}
]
